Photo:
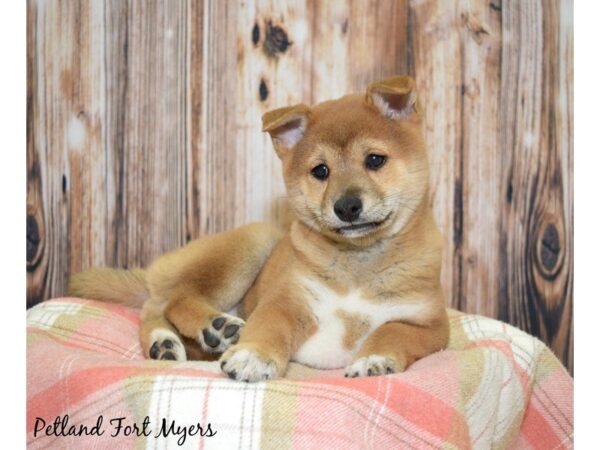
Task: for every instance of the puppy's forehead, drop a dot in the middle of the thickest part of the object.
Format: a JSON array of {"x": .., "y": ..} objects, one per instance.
[{"x": 338, "y": 124}]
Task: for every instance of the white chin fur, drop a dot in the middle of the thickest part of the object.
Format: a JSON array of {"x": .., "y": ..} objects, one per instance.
[{"x": 360, "y": 232}]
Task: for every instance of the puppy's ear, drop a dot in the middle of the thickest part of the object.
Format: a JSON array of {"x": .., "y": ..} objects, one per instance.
[
  {"x": 286, "y": 126},
  {"x": 394, "y": 98}
]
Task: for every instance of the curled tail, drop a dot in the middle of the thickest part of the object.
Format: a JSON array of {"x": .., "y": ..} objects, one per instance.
[{"x": 125, "y": 287}]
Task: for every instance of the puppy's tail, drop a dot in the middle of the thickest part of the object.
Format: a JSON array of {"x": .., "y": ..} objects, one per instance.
[{"x": 125, "y": 287}]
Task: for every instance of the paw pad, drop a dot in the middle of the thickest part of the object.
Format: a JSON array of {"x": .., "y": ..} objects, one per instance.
[
  {"x": 222, "y": 332},
  {"x": 165, "y": 350},
  {"x": 218, "y": 323}
]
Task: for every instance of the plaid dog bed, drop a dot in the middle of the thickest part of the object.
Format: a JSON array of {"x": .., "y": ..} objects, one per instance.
[{"x": 88, "y": 386}]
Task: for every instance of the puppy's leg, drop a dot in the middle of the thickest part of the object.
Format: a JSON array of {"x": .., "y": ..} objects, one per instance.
[
  {"x": 207, "y": 277},
  {"x": 160, "y": 340},
  {"x": 195, "y": 317},
  {"x": 273, "y": 333},
  {"x": 394, "y": 346}
]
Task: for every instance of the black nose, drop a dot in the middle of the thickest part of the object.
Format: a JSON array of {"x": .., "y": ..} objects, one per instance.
[{"x": 348, "y": 208}]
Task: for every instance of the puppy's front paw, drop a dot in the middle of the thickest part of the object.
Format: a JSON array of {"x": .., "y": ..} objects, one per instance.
[
  {"x": 220, "y": 333},
  {"x": 243, "y": 364},
  {"x": 372, "y": 365}
]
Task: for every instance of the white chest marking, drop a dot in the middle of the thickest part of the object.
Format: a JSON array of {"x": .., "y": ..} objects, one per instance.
[{"x": 325, "y": 349}]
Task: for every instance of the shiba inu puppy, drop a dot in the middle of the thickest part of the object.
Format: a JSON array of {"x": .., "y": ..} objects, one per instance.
[{"x": 355, "y": 283}]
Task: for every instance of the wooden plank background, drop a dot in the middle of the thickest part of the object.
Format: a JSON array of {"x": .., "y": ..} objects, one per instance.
[{"x": 144, "y": 131}]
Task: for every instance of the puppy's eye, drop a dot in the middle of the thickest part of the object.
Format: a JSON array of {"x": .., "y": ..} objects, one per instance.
[
  {"x": 374, "y": 162},
  {"x": 320, "y": 172}
]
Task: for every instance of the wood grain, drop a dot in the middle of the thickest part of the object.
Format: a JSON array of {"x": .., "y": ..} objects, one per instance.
[
  {"x": 537, "y": 291},
  {"x": 144, "y": 131},
  {"x": 457, "y": 62}
]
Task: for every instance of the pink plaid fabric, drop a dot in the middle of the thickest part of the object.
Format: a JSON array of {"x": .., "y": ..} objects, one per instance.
[{"x": 494, "y": 387}]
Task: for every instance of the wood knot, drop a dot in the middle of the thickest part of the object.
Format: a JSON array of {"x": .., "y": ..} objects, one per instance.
[
  {"x": 276, "y": 40},
  {"x": 255, "y": 34},
  {"x": 509, "y": 192},
  {"x": 33, "y": 241},
  {"x": 263, "y": 90},
  {"x": 549, "y": 251},
  {"x": 476, "y": 27}
]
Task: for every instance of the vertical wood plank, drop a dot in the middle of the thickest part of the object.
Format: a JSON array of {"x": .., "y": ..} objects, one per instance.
[
  {"x": 66, "y": 156},
  {"x": 330, "y": 28},
  {"x": 538, "y": 212},
  {"x": 368, "y": 39},
  {"x": 216, "y": 171},
  {"x": 377, "y": 41},
  {"x": 107, "y": 147},
  {"x": 37, "y": 257},
  {"x": 498, "y": 76},
  {"x": 155, "y": 141},
  {"x": 436, "y": 48},
  {"x": 196, "y": 131},
  {"x": 477, "y": 199},
  {"x": 563, "y": 116},
  {"x": 273, "y": 50}
]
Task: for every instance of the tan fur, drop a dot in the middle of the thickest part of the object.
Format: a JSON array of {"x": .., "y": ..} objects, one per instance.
[
  {"x": 126, "y": 287},
  {"x": 396, "y": 266},
  {"x": 188, "y": 288},
  {"x": 329, "y": 294}
]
